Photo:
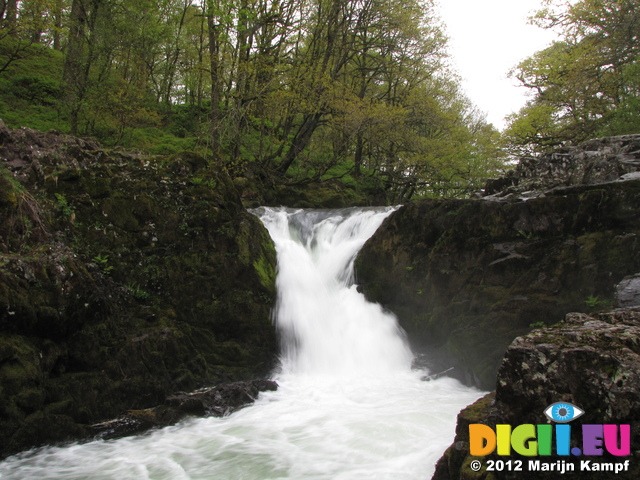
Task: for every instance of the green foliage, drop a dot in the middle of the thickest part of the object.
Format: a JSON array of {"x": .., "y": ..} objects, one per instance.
[
  {"x": 63, "y": 205},
  {"x": 527, "y": 235},
  {"x": 31, "y": 88},
  {"x": 36, "y": 89},
  {"x": 594, "y": 302},
  {"x": 137, "y": 292},
  {"x": 538, "y": 325},
  {"x": 586, "y": 84},
  {"x": 197, "y": 181},
  {"x": 25, "y": 221},
  {"x": 103, "y": 262},
  {"x": 156, "y": 141},
  {"x": 357, "y": 93}
]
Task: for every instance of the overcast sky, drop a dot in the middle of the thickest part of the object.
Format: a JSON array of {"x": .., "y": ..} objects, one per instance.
[{"x": 486, "y": 39}]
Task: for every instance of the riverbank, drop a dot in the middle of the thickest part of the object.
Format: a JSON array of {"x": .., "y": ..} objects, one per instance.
[{"x": 123, "y": 279}]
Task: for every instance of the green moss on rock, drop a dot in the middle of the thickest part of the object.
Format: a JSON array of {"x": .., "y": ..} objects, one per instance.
[
  {"x": 130, "y": 278},
  {"x": 485, "y": 270}
]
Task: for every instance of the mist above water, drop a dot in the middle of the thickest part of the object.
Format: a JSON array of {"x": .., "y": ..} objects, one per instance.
[{"x": 349, "y": 406}]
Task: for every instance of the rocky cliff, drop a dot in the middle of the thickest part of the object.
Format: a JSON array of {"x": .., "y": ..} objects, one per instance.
[
  {"x": 592, "y": 362},
  {"x": 123, "y": 279},
  {"x": 466, "y": 277},
  {"x": 596, "y": 161}
]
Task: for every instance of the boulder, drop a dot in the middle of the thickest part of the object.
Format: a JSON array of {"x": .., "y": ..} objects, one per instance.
[
  {"x": 217, "y": 401},
  {"x": 628, "y": 291},
  {"x": 590, "y": 361},
  {"x": 123, "y": 279},
  {"x": 596, "y": 161},
  {"x": 467, "y": 276}
]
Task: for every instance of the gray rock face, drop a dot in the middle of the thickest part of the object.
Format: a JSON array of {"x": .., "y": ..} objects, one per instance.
[
  {"x": 123, "y": 279},
  {"x": 628, "y": 291},
  {"x": 593, "y": 162},
  {"x": 466, "y": 277},
  {"x": 592, "y": 362}
]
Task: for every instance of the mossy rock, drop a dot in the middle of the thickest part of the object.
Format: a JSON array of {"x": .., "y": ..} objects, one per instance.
[
  {"x": 145, "y": 276},
  {"x": 49, "y": 429},
  {"x": 465, "y": 277}
]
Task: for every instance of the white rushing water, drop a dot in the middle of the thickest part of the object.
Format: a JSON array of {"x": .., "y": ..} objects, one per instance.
[{"x": 349, "y": 406}]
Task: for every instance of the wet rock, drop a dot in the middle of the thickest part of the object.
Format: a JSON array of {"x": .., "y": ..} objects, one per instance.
[
  {"x": 628, "y": 291},
  {"x": 123, "y": 278},
  {"x": 465, "y": 277},
  {"x": 217, "y": 401},
  {"x": 592, "y": 362}
]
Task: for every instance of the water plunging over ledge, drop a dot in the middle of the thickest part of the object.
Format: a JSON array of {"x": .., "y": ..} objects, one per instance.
[{"x": 349, "y": 405}]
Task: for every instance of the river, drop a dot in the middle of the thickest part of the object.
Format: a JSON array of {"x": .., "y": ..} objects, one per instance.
[{"x": 349, "y": 404}]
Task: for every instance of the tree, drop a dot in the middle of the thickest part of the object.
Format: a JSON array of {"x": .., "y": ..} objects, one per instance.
[
  {"x": 9, "y": 10},
  {"x": 14, "y": 45},
  {"x": 584, "y": 85},
  {"x": 292, "y": 91}
]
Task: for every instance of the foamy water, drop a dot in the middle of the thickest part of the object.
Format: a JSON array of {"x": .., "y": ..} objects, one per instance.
[{"x": 349, "y": 406}]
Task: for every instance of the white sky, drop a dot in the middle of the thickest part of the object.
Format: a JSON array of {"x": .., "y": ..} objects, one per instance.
[{"x": 487, "y": 38}]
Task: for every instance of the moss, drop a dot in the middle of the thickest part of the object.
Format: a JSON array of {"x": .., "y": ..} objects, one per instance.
[
  {"x": 476, "y": 412},
  {"x": 47, "y": 428},
  {"x": 266, "y": 272},
  {"x": 483, "y": 283},
  {"x": 19, "y": 365},
  {"x": 98, "y": 188},
  {"x": 118, "y": 211},
  {"x": 79, "y": 347},
  {"x": 21, "y": 391},
  {"x": 8, "y": 197},
  {"x": 456, "y": 459},
  {"x": 187, "y": 162}
]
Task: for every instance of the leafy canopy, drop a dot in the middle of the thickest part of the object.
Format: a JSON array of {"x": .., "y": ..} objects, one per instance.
[
  {"x": 585, "y": 85},
  {"x": 287, "y": 91}
]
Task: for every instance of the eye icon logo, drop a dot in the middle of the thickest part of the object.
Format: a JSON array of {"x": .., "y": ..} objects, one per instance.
[{"x": 563, "y": 412}]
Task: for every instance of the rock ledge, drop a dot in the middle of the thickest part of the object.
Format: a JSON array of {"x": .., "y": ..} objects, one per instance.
[{"x": 592, "y": 362}]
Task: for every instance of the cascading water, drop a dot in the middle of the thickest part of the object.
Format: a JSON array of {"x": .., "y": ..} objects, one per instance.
[
  {"x": 349, "y": 406},
  {"x": 326, "y": 326}
]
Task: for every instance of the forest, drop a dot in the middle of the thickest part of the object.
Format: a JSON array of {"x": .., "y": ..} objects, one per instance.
[{"x": 300, "y": 91}]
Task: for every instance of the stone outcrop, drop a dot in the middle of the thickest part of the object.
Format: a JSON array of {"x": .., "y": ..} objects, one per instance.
[
  {"x": 628, "y": 291},
  {"x": 592, "y": 362},
  {"x": 465, "y": 277},
  {"x": 593, "y": 162},
  {"x": 123, "y": 279},
  {"x": 217, "y": 401}
]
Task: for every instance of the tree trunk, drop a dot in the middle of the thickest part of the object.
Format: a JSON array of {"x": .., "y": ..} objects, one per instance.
[
  {"x": 74, "y": 76},
  {"x": 10, "y": 15},
  {"x": 216, "y": 94},
  {"x": 57, "y": 13},
  {"x": 242, "y": 60},
  {"x": 301, "y": 140},
  {"x": 357, "y": 158}
]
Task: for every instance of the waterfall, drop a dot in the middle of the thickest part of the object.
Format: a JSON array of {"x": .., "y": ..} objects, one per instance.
[
  {"x": 349, "y": 405},
  {"x": 326, "y": 326}
]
